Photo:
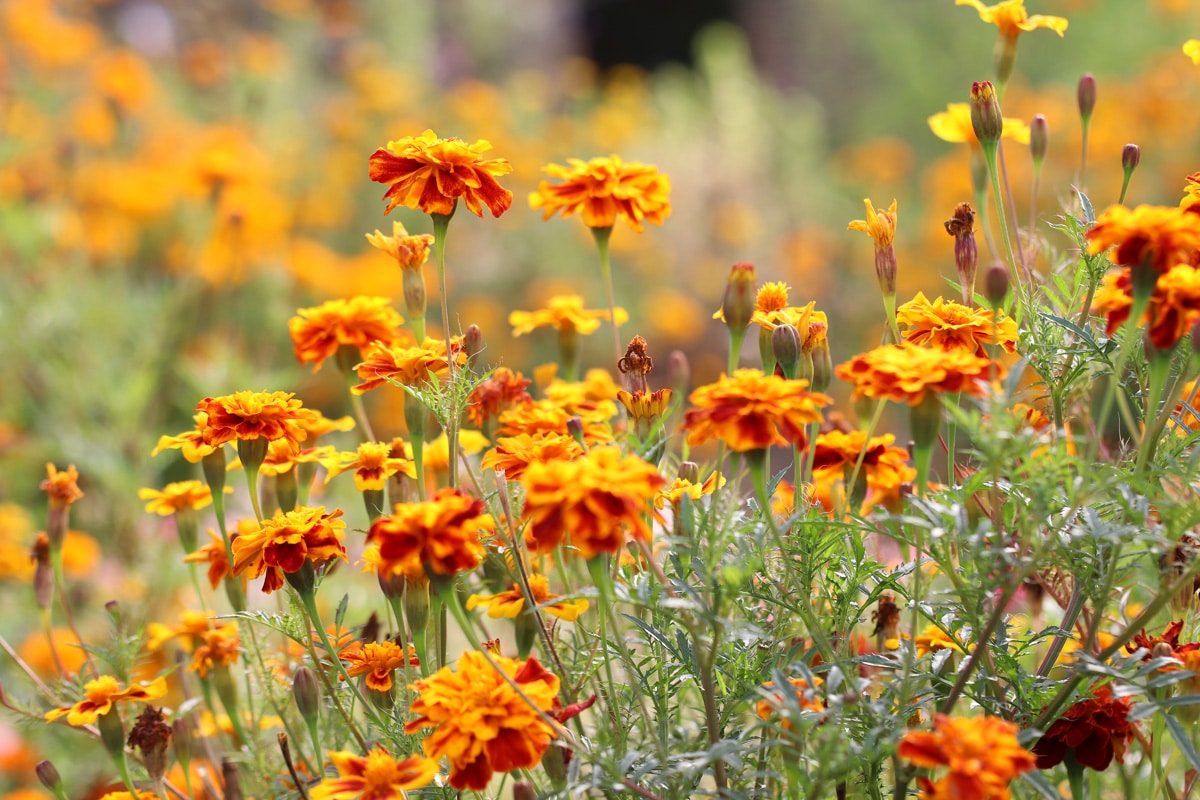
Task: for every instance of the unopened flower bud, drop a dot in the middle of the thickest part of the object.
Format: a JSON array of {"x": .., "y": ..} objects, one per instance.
[
  {"x": 966, "y": 253},
  {"x": 1086, "y": 94},
  {"x": 1162, "y": 650},
  {"x": 822, "y": 363},
  {"x": 181, "y": 737},
  {"x": 48, "y": 775},
  {"x": 679, "y": 373},
  {"x": 689, "y": 471},
  {"x": 473, "y": 344},
  {"x": 737, "y": 306},
  {"x": 785, "y": 342},
  {"x": 1131, "y": 156},
  {"x": 306, "y": 693},
  {"x": 1039, "y": 138},
  {"x": 986, "y": 118},
  {"x": 523, "y": 790},
  {"x": 43, "y": 572},
  {"x": 575, "y": 429},
  {"x": 995, "y": 285}
]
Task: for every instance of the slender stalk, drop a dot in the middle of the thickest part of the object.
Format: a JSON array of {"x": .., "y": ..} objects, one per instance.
[
  {"x": 601, "y": 235},
  {"x": 989, "y": 153},
  {"x": 441, "y": 223}
]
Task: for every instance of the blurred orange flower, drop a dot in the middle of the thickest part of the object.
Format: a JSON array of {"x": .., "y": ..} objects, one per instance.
[
  {"x": 564, "y": 313},
  {"x": 191, "y": 629},
  {"x": 752, "y": 411},
  {"x": 1094, "y": 730},
  {"x": 500, "y": 391},
  {"x": 377, "y": 660},
  {"x": 1159, "y": 237},
  {"x": 252, "y": 415},
  {"x": 806, "y": 698},
  {"x": 509, "y": 604},
  {"x": 906, "y": 373},
  {"x": 1174, "y": 304},
  {"x": 835, "y": 454},
  {"x": 982, "y": 754},
  {"x": 319, "y": 332},
  {"x": 950, "y": 326},
  {"x": 373, "y": 463},
  {"x": 62, "y": 488},
  {"x": 219, "y": 646},
  {"x": 480, "y": 723},
  {"x": 514, "y": 454},
  {"x": 285, "y": 542},
  {"x": 443, "y": 533},
  {"x": 1012, "y": 19},
  {"x": 604, "y": 189},
  {"x": 410, "y": 252},
  {"x": 431, "y": 174},
  {"x": 375, "y": 776},
  {"x": 101, "y": 694}
]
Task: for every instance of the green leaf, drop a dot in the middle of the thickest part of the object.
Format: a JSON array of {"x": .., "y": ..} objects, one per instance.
[
  {"x": 1089, "y": 213},
  {"x": 1183, "y": 740}
]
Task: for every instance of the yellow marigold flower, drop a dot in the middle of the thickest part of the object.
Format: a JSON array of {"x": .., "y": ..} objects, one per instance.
[
  {"x": 1012, "y": 19},
  {"x": 177, "y": 496},
  {"x": 948, "y": 325},
  {"x": 906, "y": 373},
  {"x": 431, "y": 174},
  {"x": 933, "y": 639},
  {"x": 286, "y": 541},
  {"x": 373, "y": 464},
  {"x": 219, "y": 647},
  {"x": 982, "y": 755},
  {"x": 599, "y": 499},
  {"x": 378, "y": 660},
  {"x": 280, "y": 458},
  {"x": 413, "y": 365},
  {"x": 102, "y": 694},
  {"x": 604, "y": 189},
  {"x": 443, "y": 533},
  {"x": 62, "y": 488},
  {"x": 752, "y": 411},
  {"x": 954, "y": 125},
  {"x": 252, "y": 415},
  {"x": 375, "y": 776},
  {"x": 1174, "y": 304},
  {"x": 591, "y": 396},
  {"x": 835, "y": 453},
  {"x": 209, "y": 725},
  {"x": 1159, "y": 237},
  {"x": 674, "y": 493},
  {"x": 1191, "y": 49},
  {"x": 189, "y": 631},
  {"x": 879, "y": 225},
  {"x": 564, "y": 313},
  {"x": 645, "y": 407},
  {"x": 479, "y": 721},
  {"x": 437, "y": 452},
  {"x": 319, "y": 332},
  {"x": 410, "y": 252},
  {"x": 806, "y": 698},
  {"x": 316, "y": 424},
  {"x": 499, "y": 392},
  {"x": 509, "y": 604},
  {"x": 514, "y": 454},
  {"x": 189, "y": 443}
]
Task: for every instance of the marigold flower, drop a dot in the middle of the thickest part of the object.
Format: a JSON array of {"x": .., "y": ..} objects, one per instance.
[
  {"x": 1159, "y": 237},
  {"x": 373, "y": 463},
  {"x": 280, "y": 459},
  {"x": 378, "y": 660},
  {"x": 1191, "y": 49},
  {"x": 835, "y": 454},
  {"x": 546, "y": 416},
  {"x": 514, "y": 454},
  {"x": 879, "y": 225},
  {"x": 315, "y": 424},
  {"x": 954, "y": 125},
  {"x": 286, "y": 541},
  {"x": 674, "y": 493},
  {"x": 430, "y": 174},
  {"x": 906, "y": 373},
  {"x": 1173, "y": 310},
  {"x": 604, "y": 189},
  {"x": 319, "y": 332},
  {"x": 1012, "y": 19},
  {"x": 413, "y": 365},
  {"x": 564, "y": 313},
  {"x": 104, "y": 692},
  {"x": 177, "y": 496},
  {"x": 948, "y": 325},
  {"x": 410, "y": 252},
  {"x": 1170, "y": 638},
  {"x": 252, "y": 415},
  {"x": 598, "y": 499},
  {"x": 1096, "y": 729},
  {"x": 214, "y": 554},
  {"x": 509, "y": 604},
  {"x": 805, "y": 697},
  {"x": 189, "y": 443},
  {"x": 591, "y": 398},
  {"x": 479, "y": 721},
  {"x": 375, "y": 776},
  {"x": 62, "y": 488},
  {"x": 498, "y": 392},
  {"x": 982, "y": 755},
  {"x": 437, "y": 452},
  {"x": 191, "y": 629},
  {"x": 219, "y": 646},
  {"x": 645, "y": 407},
  {"x": 933, "y": 639},
  {"x": 443, "y": 533},
  {"x": 752, "y": 411}
]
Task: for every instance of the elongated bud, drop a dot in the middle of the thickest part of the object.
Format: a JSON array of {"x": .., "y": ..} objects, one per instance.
[
  {"x": 181, "y": 738},
  {"x": 233, "y": 783},
  {"x": 679, "y": 372},
  {"x": 822, "y": 366},
  {"x": 966, "y": 252},
  {"x": 43, "y": 572},
  {"x": 738, "y": 304},
  {"x": 986, "y": 118},
  {"x": 575, "y": 429},
  {"x": 48, "y": 775},
  {"x": 1131, "y": 156},
  {"x": 1039, "y": 138},
  {"x": 689, "y": 471},
  {"x": 523, "y": 790},
  {"x": 473, "y": 344},
  {"x": 1086, "y": 95},
  {"x": 785, "y": 342},
  {"x": 995, "y": 285},
  {"x": 307, "y": 694},
  {"x": 415, "y": 297}
]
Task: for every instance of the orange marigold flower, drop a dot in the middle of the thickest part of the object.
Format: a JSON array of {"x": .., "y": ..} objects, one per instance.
[
  {"x": 102, "y": 694},
  {"x": 500, "y": 391},
  {"x": 599, "y": 499},
  {"x": 674, "y": 493},
  {"x": 219, "y": 647},
  {"x": 564, "y": 313},
  {"x": 319, "y": 332},
  {"x": 252, "y": 415},
  {"x": 933, "y": 639},
  {"x": 752, "y": 411},
  {"x": 954, "y": 125},
  {"x": 805, "y": 695},
  {"x": 982, "y": 755},
  {"x": 411, "y": 365},
  {"x": 375, "y": 776},
  {"x": 280, "y": 459},
  {"x": 906, "y": 373},
  {"x": 410, "y": 252},
  {"x": 604, "y": 189},
  {"x": 835, "y": 454},
  {"x": 879, "y": 225},
  {"x": 1170, "y": 638},
  {"x": 430, "y": 174},
  {"x": 479, "y": 721},
  {"x": 316, "y": 424},
  {"x": 509, "y": 604},
  {"x": 377, "y": 660},
  {"x": 545, "y": 416},
  {"x": 514, "y": 454},
  {"x": 286, "y": 541},
  {"x": 177, "y": 496},
  {"x": 591, "y": 398},
  {"x": 443, "y": 533},
  {"x": 1159, "y": 237},
  {"x": 62, "y": 488},
  {"x": 1012, "y": 19},
  {"x": 950, "y": 326},
  {"x": 189, "y": 443},
  {"x": 215, "y": 556},
  {"x": 189, "y": 631},
  {"x": 1174, "y": 304},
  {"x": 373, "y": 463},
  {"x": 1096, "y": 729}
]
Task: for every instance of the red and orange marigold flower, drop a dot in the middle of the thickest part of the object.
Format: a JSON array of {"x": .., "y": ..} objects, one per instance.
[
  {"x": 411, "y": 365},
  {"x": 286, "y": 541},
  {"x": 982, "y": 756},
  {"x": 319, "y": 332},
  {"x": 480, "y": 723},
  {"x": 431, "y": 174},
  {"x": 907, "y": 373},
  {"x": 837, "y": 452},
  {"x": 252, "y": 415},
  {"x": 509, "y": 604},
  {"x": 1159, "y": 237},
  {"x": 1173, "y": 309},
  {"x": 378, "y": 660},
  {"x": 102, "y": 694},
  {"x": 751, "y": 411},
  {"x": 514, "y": 454},
  {"x": 805, "y": 697},
  {"x": 603, "y": 190},
  {"x": 373, "y": 463},
  {"x": 1094, "y": 730},
  {"x": 951, "y": 326},
  {"x": 375, "y": 776},
  {"x": 445, "y": 534},
  {"x": 498, "y": 392}
]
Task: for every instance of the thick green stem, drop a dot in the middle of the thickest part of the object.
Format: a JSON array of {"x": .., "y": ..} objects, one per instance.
[{"x": 601, "y": 235}]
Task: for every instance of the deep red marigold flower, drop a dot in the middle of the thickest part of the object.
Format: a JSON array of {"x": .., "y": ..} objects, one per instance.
[
  {"x": 252, "y": 415},
  {"x": 445, "y": 534},
  {"x": 1096, "y": 729},
  {"x": 603, "y": 190},
  {"x": 480, "y": 723},
  {"x": 375, "y": 776},
  {"x": 500, "y": 391},
  {"x": 982, "y": 754},
  {"x": 286, "y": 541},
  {"x": 319, "y": 332},
  {"x": 752, "y": 411},
  {"x": 431, "y": 174}
]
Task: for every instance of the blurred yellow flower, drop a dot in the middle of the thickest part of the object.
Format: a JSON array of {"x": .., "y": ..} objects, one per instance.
[
  {"x": 564, "y": 313},
  {"x": 604, "y": 189},
  {"x": 176, "y": 496},
  {"x": 1191, "y": 49},
  {"x": 509, "y": 604},
  {"x": 1012, "y": 19},
  {"x": 954, "y": 125}
]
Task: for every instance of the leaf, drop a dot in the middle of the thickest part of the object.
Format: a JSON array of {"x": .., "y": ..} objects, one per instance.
[
  {"x": 340, "y": 616},
  {"x": 1039, "y": 782},
  {"x": 1089, "y": 213},
  {"x": 1184, "y": 741},
  {"x": 654, "y": 633}
]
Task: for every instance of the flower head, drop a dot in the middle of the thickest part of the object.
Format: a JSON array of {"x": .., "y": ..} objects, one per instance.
[
  {"x": 879, "y": 225},
  {"x": 177, "y": 496},
  {"x": 214, "y": 555},
  {"x": 906, "y": 373},
  {"x": 375, "y": 776},
  {"x": 319, "y": 332},
  {"x": 286, "y": 541},
  {"x": 805, "y": 697},
  {"x": 564, "y": 313},
  {"x": 373, "y": 463},
  {"x": 378, "y": 660},
  {"x": 604, "y": 189},
  {"x": 1159, "y": 237},
  {"x": 514, "y": 454},
  {"x": 954, "y": 125},
  {"x": 410, "y": 252},
  {"x": 948, "y": 325},
  {"x": 885, "y": 466},
  {"x": 982, "y": 755},
  {"x": 509, "y": 604},
  {"x": 219, "y": 646},
  {"x": 751, "y": 411},
  {"x": 62, "y": 488},
  {"x": 444, "y": 534},
  {"x": 1191, "y": 49},
  {"x": 413, "y": 365},
  {"x": 479, "y": 721},
  {"x": 1012, "y": 19},
  {"x": 431, "y": 174},
  {"x": 598, "y": 499},
  {"x": 1096, "y": 729},
  {"x": 500, "y": 391},
  {"x": 674, "y": 493},
  {"x": 189, "y": 443},
  {"x": 252, "y": 415},
  {"x": 102, "y": 694},
  {"x": 1173, "y": 310}
]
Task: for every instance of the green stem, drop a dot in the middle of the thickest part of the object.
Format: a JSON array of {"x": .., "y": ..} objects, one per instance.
[
  {"x": 441, "y": 223},
  {"x": 989, "y": 154},
  {"x": 1160, "y": 368},
  {"x": 601, "y": 235}
]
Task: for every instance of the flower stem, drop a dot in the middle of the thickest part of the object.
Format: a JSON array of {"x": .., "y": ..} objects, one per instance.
[
  {"x": 441, "y": 223},
  {"x": 601, "y": 235},
  {"x": 989, "y": 153}
]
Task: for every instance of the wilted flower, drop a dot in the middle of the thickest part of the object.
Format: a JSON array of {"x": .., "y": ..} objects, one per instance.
[
  {"x": 431, "y": 174},
  {"x": 604, "y": 189}
]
